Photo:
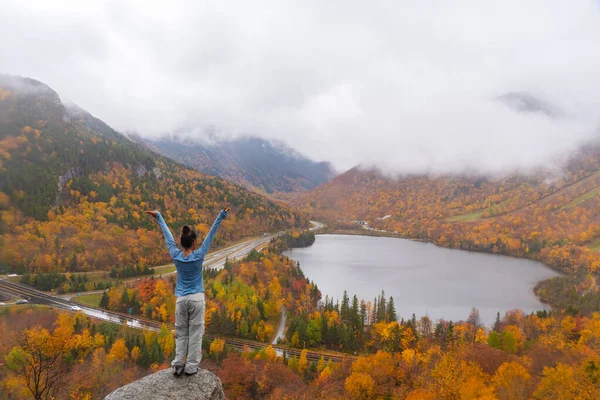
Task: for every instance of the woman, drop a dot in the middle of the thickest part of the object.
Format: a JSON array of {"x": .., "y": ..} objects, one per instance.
[{"x": 189, "y": 311}]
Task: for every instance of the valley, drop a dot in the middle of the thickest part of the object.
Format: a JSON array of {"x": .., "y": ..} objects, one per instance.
[
  {"x": 326, "y": 311},
  {"x": 299, "y": 200}
]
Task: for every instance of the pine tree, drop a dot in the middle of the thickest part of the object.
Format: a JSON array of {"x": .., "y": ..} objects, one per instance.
[
  {"x": 497, "y": 325},
  {"x": 149, "y": 311},
  {"x": 104, "y": 300},
  {"x": 450, "y": 332},
  {"x": 391, "y": 311},
  {"x": 363, "y": 312},
  {"x": 354, "y": 316},
  {"x": 73, "y": 266},
  {"x": 124, "y": 300},
  {"x": 345, "y": 307},
  {"x": 381, "y": 308}
]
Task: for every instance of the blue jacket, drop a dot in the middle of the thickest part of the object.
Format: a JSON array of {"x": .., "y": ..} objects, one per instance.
[{"x": 189, "y": 269}]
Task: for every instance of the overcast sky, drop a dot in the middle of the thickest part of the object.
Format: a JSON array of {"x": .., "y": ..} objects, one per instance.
[{"x": 407, "y": 85}]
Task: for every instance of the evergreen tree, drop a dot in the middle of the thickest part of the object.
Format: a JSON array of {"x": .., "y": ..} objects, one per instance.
[
  {"x": 497, "y": 325},
  {"x": 381, "y": 308},
  {"x": 73, "y": 266},
  {"x": 363, "y": 312},
  {"x": 104, "y": 300},
  {"x": 450, "y": 332},
  {"x": 439, "y": 329},
  {"x": 149, "y": 311},
  {"x": 345, "y": 307},
  {"x": 354, "y": 313},
  {"x": 124, "y": 300},
  {"x": 391, "y": 312}
]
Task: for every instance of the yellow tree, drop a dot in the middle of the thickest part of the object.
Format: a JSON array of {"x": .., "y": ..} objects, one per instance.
[
  {"x": 590, "y": 334},
  {"x": 271, "y": 354},
  {"x": 118, "y": 352},
  {"x": 135, "y": 354},
  {"x": 360, "y": 386},
  {"x": 511, "y": 381},
  {"x": 566, "y": 382},
  {"x": 216, "y": 348},
  {"x": 44, "y": 359},
  {"x": 455, "y": 378},
  {"x": 303, "y": 363},
  {"x": 321, "y": 364}
]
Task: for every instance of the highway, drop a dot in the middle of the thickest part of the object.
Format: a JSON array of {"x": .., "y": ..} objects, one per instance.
[{"x": 214, "y": 260}]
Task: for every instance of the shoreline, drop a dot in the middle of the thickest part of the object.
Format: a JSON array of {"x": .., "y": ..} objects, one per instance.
[{"x": 365, "y": 232}]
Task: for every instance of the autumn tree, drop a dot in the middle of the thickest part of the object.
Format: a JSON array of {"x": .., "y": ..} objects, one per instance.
[
  {"x": 511, "y": 381},
  {"x": 303, "y": 363},
  {"x": 216, "y": 348},
  {"x": 566, "y": 382},
  {"x": 360, "y": 386},
  {"x": 45, "y": 359}
]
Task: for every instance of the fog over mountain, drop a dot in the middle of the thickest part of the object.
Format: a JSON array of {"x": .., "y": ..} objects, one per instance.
[
  {"x": 409, "y": 86},
  {"x": 269, "y": 166}
]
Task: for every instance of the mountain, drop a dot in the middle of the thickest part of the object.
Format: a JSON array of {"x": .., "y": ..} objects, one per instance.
[
  {"x": 255, "y": 163},
  {"x": 73, "y": 190},
  {"x": 524, "y": 102}
]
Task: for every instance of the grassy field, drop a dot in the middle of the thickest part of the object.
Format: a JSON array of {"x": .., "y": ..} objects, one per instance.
[
  {"x": 586, "y": 196},
  {"x": 594, "y": 244},
  {"x": 573, "y": 203},
  {"x": 466, "y": 217},
  {"x": 92, "y": 300},
  {"x": 165, "y": 269}
]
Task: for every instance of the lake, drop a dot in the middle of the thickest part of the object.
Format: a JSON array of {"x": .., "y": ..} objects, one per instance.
[{"x": 423, "y": 279}]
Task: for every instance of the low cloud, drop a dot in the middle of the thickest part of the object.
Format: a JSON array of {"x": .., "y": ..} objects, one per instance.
[{"x": 409, "y": 86}]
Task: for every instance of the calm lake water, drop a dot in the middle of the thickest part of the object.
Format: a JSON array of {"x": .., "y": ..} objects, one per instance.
[{"x": 423, "y": 279}]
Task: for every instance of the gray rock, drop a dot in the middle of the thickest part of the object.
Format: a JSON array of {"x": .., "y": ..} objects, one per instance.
[{"x": 163, "y": 385}]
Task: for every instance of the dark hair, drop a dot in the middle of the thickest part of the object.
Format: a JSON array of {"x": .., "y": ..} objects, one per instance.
[{"x": 188, "y": 237}]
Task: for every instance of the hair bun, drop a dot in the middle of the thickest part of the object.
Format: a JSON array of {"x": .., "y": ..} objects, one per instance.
[{"x": 186, "y": 230}]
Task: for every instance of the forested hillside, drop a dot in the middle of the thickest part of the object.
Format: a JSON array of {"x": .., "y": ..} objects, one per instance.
[
  {"x": 73, "y": 191},
  {"x": 250, "y": 161}
]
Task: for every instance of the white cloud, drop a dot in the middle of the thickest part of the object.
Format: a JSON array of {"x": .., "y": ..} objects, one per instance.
[{"x": 408, "y": 85}]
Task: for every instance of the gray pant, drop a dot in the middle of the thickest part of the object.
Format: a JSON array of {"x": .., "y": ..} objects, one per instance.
[{"x": 189, "y": 328}]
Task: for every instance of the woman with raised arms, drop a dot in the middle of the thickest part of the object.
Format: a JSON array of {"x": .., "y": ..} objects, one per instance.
[{"x": 189, "y": 311}]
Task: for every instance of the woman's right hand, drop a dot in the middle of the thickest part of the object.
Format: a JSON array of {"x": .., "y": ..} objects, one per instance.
[{"x": 226, "y": 209}]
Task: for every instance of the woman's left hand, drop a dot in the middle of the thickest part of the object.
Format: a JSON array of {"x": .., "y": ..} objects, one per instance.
[{"x": 153, "y": 213}]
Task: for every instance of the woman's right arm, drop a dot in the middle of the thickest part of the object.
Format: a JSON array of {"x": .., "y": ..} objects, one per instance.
[
  {"x": 173, "y": 250},
  {"x": 211, "y": 233}
]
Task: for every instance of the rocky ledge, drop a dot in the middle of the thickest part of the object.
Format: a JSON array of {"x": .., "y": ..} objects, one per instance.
[{"x": 163, "y": 385}]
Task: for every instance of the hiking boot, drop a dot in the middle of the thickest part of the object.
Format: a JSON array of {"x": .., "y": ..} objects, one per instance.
[
  {"x": 178, "y": 370},
  {"x": 191, "y": 373}
]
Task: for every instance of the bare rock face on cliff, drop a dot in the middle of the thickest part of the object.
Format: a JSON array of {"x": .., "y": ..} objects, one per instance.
[{"x": 163, "y": 385}]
